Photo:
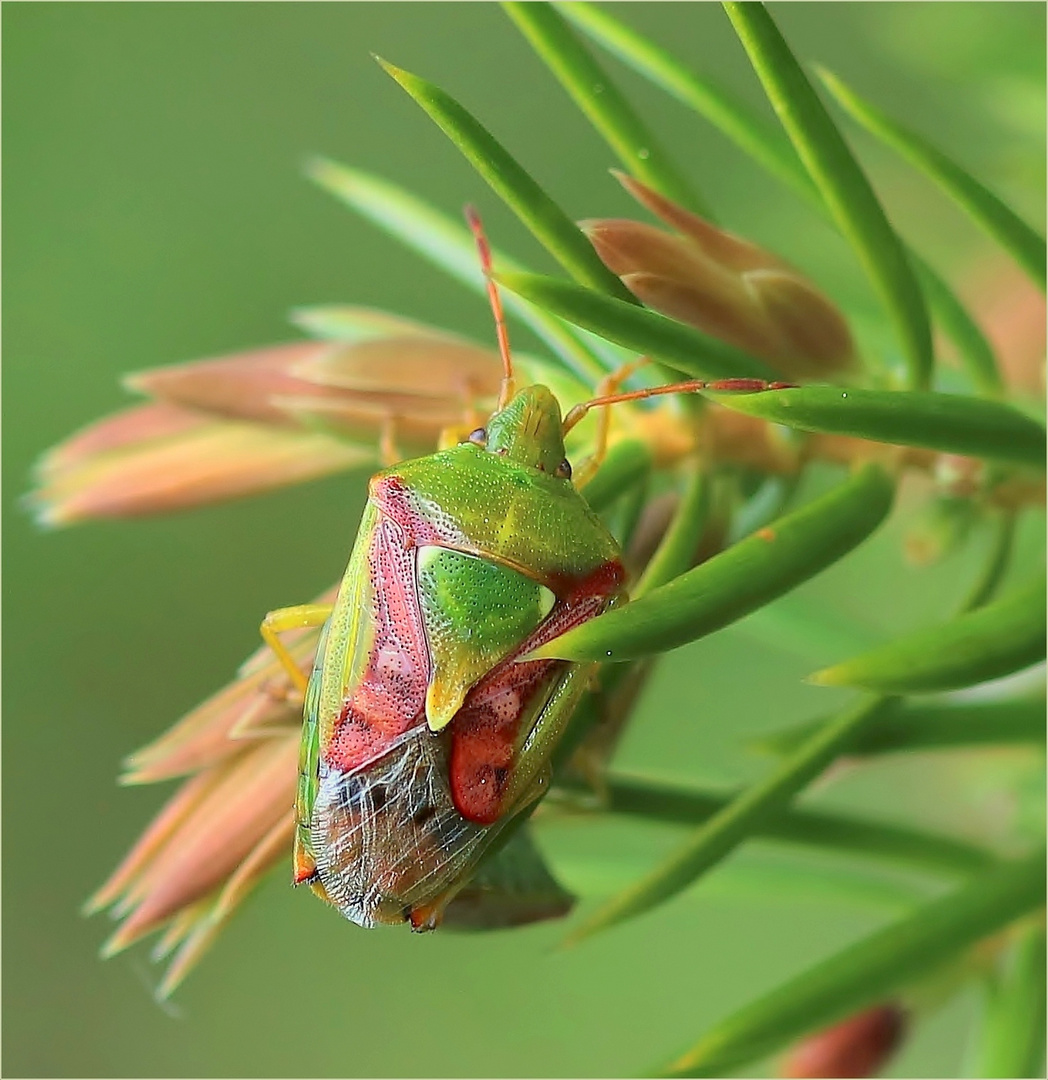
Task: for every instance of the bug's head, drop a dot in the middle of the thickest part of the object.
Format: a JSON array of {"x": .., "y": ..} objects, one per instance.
[{"x": 528, "y": 432}]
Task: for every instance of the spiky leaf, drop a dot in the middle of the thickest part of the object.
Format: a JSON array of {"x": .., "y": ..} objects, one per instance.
[
  {"x": 746, "y": 576},
  {"x": 985, "y": 644},
  {"x": 869, "y": 970},
  {"x": 950, "y": 423}
]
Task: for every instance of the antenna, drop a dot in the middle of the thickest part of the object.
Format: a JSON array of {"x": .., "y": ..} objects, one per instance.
[
  {"x": 484, "y": 250},
  {"x": 745, "y": 386}
]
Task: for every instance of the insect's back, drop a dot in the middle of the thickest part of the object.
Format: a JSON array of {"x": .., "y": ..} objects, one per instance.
[{"x": 423, "y": 734}]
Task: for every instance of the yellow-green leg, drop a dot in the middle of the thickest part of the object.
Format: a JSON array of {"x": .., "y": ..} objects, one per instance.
[
  {"x": 279, "y": 622},
  {"x": 609, "y": 385}
]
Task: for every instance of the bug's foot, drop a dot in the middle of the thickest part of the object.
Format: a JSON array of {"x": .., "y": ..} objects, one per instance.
[{"x": 425, "y": 917}]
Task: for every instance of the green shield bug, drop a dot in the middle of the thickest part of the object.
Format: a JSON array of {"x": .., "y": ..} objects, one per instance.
[{"x": 424, "y": 731}]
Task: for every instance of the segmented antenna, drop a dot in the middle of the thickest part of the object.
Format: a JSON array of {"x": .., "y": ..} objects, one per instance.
[
  {"x": 484, "y": 250},
  {"x": 744, "y": 386}
]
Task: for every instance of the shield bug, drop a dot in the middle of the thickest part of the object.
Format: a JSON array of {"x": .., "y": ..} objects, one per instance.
[{"x": 426, "y": 731}]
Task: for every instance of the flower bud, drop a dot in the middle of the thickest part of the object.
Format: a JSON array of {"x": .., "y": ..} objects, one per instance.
[
  {"x": 258, "y": 420},
  {"x": 205, "y": 461},
  {"x": 724, "y": 286},
  {"x": 858, "y": 1046},
  {"x": 213, "y": 834}
]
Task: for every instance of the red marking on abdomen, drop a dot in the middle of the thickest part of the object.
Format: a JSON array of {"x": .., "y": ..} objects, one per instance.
[
  {"x": 485, "y": 731},
  {"x": 390, "y": 697}
]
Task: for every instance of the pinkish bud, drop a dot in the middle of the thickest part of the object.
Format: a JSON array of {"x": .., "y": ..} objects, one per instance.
[
  {"x": 724, "y": 286},
  {"x": 237, "y": 387},
  {"x": 157, "y": 420},
  {"x": 856, "y": 1047},
  {"x": 173, "y": 466},
  {"x": 266, "y": 418},
  {"x": 403, "y": 376},
  {"x": 197, "y": 930},
  {"x": 231, "y": 813},
  {"x": 259, "y": 703}
]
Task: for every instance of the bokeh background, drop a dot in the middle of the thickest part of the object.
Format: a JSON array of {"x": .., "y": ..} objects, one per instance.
[{"x": 154, "y": 210}]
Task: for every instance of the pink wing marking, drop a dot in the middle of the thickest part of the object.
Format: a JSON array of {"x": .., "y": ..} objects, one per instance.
[
  {"x": 389, "y": 699},
  {"x": 397, "y": 503}
]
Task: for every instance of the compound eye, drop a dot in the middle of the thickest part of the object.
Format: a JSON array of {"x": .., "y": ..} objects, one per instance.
[
  {"x": 563, "y": 470},
  {"x": 478, "y": 436}
]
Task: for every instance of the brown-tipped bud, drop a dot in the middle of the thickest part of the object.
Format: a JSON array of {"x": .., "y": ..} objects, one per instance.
[
  {"x": 423, "y": 381},
  {"x": 262, "y": 419},
  {"x": 237, "y": 387},
  {"x": 725, "y": 286},
  {"x": 232, "y": 813},
  {"x": 199, "y": 933},
  {"x": 204, "y": 461},
  {"x": 227, "y": 824},
  {"x": 856, "y": 1047},
  {"x": 260, "y": 703}
]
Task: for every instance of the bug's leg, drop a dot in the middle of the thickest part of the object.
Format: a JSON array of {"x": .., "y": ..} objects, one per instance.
[
  {"x": 691, "y": 386},
  {"x": 292, "y": 618},
  {"x": 424, "y": 917},
  {"x": 607, "y": 386}
]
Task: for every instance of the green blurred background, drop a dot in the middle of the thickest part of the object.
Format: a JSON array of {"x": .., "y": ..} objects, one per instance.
[{"x": 155, "y": 211}]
